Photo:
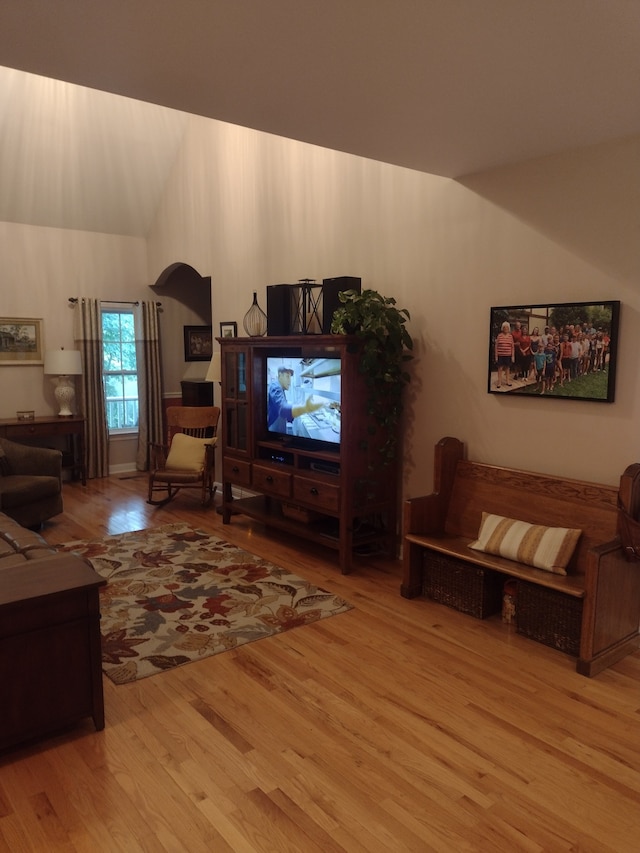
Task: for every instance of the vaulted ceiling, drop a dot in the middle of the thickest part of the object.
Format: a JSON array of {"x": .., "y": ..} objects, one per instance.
[{"x": 449, "y": 87}]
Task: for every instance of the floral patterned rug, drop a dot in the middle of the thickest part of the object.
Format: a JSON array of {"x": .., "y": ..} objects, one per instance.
[{"x": 175, "y": 595}]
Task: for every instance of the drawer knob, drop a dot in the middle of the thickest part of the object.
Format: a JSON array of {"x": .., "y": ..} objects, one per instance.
[
  {"x": 269, "y": 478},
  {"x": 313, "y": 490},
  {"x": 235, "y": 469}
]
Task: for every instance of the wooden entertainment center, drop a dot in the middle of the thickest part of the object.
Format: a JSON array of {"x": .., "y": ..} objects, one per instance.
[{"x": 338, "y": 495}]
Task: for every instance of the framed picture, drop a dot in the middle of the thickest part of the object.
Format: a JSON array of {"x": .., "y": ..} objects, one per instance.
[
  {"x": 198, "y": 343},
  {"x": 21, "y": 341},
  {"x": 565, "y": 350},
  {"x": 229, "y": 330}
]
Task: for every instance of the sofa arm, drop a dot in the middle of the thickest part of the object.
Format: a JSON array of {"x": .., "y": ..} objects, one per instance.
[{"x": 26, "y": 459}]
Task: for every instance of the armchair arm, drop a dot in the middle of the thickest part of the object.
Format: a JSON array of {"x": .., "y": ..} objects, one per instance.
[{"x": 27, "y": 459}]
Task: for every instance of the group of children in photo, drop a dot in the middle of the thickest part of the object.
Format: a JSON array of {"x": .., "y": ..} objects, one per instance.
[{"x": 557, "y": 356}]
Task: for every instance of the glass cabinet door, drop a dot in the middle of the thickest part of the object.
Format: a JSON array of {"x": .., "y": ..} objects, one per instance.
[
  {"x": 235, "y": 399},
  {"x": 235, "y": 375},
  {"x": 236, "y": 418}
]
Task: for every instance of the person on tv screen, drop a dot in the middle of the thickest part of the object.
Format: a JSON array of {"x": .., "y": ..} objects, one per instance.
[{"x": 280, "y": 411}]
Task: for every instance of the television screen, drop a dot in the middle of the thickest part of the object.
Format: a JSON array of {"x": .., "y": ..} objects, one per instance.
[{"x": 303, "y": 397}]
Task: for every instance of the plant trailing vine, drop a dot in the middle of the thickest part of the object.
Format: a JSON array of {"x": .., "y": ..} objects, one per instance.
[{"x": 385, "y": 350}]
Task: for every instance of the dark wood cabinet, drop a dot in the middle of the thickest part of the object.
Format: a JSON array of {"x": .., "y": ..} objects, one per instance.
[
  {"x": 50, "y": 648},
  {"x": 340, "y": 496},
  {"x": 198, "y": 393}
]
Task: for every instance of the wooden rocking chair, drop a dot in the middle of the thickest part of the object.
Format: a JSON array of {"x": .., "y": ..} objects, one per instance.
[{"x": 187, "y": 460}]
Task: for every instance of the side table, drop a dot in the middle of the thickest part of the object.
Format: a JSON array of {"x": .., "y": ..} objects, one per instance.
[
  {"x": 72, "y": 429},
  {"x": 50, "y": 647}
]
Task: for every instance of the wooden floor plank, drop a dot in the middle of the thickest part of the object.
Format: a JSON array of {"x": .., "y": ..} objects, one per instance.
[{"x": 397, "y": 726}]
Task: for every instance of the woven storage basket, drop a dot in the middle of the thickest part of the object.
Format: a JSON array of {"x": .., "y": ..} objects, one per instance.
[
  {"x": 550, "y": 617},
  {"x": 463, "y": 586}
]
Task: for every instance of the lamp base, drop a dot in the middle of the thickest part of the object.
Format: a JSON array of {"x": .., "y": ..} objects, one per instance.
[{"x": 65, "y": 394}]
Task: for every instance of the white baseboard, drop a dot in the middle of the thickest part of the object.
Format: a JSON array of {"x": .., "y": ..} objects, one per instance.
[{"x": 123, "y": 468}]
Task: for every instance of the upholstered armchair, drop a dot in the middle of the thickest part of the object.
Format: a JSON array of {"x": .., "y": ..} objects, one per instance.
[{"x": 30, "y": 482}]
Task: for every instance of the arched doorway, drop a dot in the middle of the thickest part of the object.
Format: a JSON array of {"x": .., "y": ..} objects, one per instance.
[
  {"x": 186, "y": 304},
  {"x": 182, "y": 282}
]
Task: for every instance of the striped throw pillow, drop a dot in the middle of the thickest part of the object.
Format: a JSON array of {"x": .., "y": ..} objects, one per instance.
[{"x": 548, "y": 548}]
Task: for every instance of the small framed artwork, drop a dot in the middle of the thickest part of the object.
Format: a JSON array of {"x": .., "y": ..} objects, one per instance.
[
  {"x": 229, "y": 330},
  {"x": 21, "y": 341},
  {"x": 564, "y": 350},
  {"x": 198, "y": 343}
]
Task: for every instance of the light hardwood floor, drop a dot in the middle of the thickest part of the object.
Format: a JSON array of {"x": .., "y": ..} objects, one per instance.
[{"x": 398, "y": 726}]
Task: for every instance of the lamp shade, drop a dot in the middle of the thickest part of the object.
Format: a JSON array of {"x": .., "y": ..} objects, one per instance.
[
  {"x": 62, "y": 362},
  {"x": 214, "y": 373}
]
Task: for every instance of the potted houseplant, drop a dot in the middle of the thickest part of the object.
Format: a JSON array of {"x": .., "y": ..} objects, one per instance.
[{"x": 385, "y": 350}]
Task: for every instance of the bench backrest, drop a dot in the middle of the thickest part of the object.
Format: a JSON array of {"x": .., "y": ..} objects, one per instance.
[{"x": 534, "y": 498}]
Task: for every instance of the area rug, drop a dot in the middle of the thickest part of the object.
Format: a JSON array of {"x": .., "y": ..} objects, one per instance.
[{"x": 176, "y": 595}]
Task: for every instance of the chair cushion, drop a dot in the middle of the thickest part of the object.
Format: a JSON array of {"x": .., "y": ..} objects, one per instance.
[
  {"x": 16, "y": 490},
  {"x": 548, "y": 548},
  {"x": 187, "y": 453}
]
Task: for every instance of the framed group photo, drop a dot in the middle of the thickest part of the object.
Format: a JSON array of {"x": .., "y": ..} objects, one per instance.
[{"x": 563, "y": 350}]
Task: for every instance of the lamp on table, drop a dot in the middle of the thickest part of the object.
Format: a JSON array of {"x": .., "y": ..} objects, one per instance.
[
  {"x": 63, "y": 363},
  {"x": 214, "y": 371}
]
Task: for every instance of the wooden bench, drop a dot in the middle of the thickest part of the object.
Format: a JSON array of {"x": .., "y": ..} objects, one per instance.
[{"x": 592, "y": 613}]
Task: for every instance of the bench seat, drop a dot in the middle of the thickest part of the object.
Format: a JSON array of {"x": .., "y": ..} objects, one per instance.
[
  {"x": 600, "y": 592},
  {"x": 456, "y": 546}
]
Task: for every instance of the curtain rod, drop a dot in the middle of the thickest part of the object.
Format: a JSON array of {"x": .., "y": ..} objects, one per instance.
[{"x": 74, "y": 299}]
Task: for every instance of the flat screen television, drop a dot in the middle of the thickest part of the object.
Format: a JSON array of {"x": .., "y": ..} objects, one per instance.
[{"x": 303, "y": 400}]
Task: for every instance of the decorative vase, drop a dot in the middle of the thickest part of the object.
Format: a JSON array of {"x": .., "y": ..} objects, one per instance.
[{"x": 255, "y": 320}]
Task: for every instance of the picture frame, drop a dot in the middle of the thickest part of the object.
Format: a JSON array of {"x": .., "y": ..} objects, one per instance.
[
  {"x": 229, "y": 329},
  {"x": 198, "y": 343},
  {"x": 21, "y": 341},
  {"x": 562, "y": 350}
]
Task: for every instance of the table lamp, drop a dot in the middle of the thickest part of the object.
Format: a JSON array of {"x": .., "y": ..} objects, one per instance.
[
  {"x": 64, "y": 363},
  {"x": 214, "y": 370}
]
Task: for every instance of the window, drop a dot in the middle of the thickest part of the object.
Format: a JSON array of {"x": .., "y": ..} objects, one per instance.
[{"x": 119, "y": 370}]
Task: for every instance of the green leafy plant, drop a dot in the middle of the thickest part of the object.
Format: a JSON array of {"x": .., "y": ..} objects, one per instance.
[{"x": 385, "y": 351}]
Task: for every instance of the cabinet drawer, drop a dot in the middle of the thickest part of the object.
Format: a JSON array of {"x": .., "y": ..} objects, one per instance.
[
  {"x": 236, "y": 471},
  {"x": 36, "y": 430},
  {"x": 317, "y": 493},
  {"x": 274, "y": 481}
]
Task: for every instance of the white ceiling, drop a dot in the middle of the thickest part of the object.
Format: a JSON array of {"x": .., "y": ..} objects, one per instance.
[{"x": 449, "y": 87}]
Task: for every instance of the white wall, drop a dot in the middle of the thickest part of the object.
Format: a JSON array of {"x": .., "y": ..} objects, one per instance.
[
  {"x": 42, "y": 268},
  {"x": 252, "y": 209}
]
